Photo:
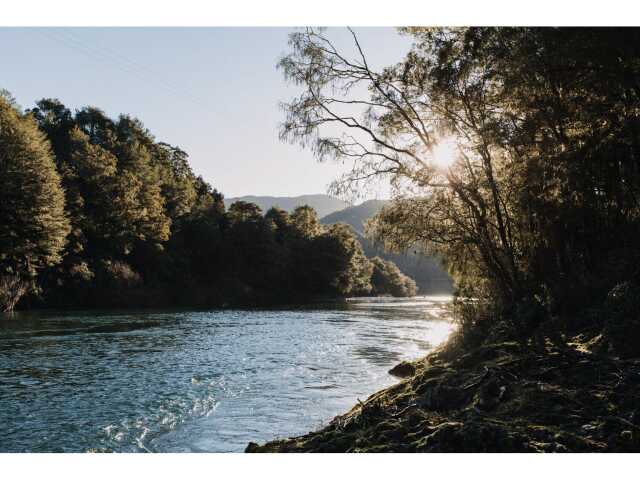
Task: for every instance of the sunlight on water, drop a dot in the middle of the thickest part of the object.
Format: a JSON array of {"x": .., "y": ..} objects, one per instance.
[{"x": 200, "y": 381}]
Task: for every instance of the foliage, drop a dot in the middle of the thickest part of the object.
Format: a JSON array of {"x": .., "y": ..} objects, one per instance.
[
  {"x": 388, "y": 279},
  {"x": 33, "y": 225},
  {"x": 339, "y": 261},
  {"x": 140, "y": 229},
  {"x": 427, "y": 271},
  {"x": 540, "y": 201},
  {"x": 12, "y": 288}
]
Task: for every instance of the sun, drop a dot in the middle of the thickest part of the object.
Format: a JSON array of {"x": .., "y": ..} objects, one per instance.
[{"x": 444, "y": 153}]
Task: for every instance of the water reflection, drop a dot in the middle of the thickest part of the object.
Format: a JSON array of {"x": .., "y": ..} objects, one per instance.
[{"x": 199, "y": 381}]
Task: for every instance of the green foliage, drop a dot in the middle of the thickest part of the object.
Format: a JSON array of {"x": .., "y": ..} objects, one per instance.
[
  {"x": 387, "y": 278},
  {"x": 540, "y": 203},
  {"x": 337, "y": 259},
  {"x": 294, "y": 256},
  {"x": 305, "y": 222},
  {"x": 426, "y": 270},
  {"x": 142, "y": 230},
  {"x": 33, "y": 224},
  {"x": 244, "y": 212},
  {"x": 178, "y": 182}
]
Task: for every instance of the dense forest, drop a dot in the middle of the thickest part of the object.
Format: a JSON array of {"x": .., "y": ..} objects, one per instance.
[{"x": 94, "y": 212}]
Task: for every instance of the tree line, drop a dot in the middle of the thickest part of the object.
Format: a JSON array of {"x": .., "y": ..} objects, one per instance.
[{"x": 94, "y": 212}]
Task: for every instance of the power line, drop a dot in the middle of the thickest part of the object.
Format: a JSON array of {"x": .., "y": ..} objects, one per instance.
[
  {"x": 138, "y": 66},
  {"x": 123, "y": 64}
]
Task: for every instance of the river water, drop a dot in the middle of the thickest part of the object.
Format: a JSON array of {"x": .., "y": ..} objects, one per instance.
[{"x": 199, "y": 381}]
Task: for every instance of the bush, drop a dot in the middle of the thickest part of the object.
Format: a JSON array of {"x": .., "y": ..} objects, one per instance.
[
  {"x": 387, "y": 279},
  {"x": 81, "y": 272},
  {"x": 121, "y": 275},
  {"x": 12, "y": 288}
]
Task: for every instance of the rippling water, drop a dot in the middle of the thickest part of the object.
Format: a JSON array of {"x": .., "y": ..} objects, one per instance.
[{"x": 199, "y": 381}]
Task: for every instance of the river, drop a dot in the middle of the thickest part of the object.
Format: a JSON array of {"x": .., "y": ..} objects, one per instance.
[{"x": 208, "y": 381}]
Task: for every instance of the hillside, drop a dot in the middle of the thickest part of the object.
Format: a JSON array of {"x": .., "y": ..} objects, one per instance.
[
  {"x": 356, "y": 215},
  {"x": 323, "y": 204},
  {"x": 430, "y": 277}
]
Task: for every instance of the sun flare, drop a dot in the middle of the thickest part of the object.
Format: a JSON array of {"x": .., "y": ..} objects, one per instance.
[{"x": 444, "y": 153}]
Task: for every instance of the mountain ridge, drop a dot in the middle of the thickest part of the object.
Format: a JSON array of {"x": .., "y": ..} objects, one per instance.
[{"x": 355, "y": 215}]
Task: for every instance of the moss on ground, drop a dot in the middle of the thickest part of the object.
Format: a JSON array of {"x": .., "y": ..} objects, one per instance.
[{"x": 500, "y": 397}]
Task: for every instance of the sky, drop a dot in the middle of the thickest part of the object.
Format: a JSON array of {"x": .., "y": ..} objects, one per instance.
[{"x": 214, "y": 92}]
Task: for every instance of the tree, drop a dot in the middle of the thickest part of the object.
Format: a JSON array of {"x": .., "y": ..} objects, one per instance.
[
  {"x": 387, "y": 278},
  {"x": 240, "y": 212},
  {"x": 337, "y": 264},
  {"x": 305, "y": 222},
  {"x": 395, "y": 136},
  {"x": 12, "y": 289},
  {"x": 177, "y": 180},
  {"x": 145, "y": 231},
  {"x": 33, "y": 224},
  {"x": 543, "y": 188},
  {"x": 280, "y": 223}
]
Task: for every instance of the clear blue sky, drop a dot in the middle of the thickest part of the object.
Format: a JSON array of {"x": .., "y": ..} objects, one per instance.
[{"x": 212, "y": 91}]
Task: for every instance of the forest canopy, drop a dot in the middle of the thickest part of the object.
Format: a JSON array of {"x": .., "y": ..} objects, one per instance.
[{"x": 94, "y": 212}]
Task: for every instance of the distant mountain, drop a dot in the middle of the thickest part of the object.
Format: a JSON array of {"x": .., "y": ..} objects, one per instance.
[
  {"x": 356, "y": 215},
  {"x": 427, "y": 271},
  {"x": 323, "y": 204}
]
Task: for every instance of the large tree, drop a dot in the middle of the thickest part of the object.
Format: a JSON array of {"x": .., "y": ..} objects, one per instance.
[
  {"x": 544, "y": 182},
  {"x": 33, "y": 224}
]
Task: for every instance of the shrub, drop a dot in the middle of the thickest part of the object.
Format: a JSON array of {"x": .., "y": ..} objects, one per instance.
[{"x": 12, "y": 288}]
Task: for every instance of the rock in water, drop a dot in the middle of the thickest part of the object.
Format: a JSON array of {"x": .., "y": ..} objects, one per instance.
[{"x": 403, "y": 370}]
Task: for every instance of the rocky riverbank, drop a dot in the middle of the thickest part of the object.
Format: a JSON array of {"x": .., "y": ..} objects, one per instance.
[{"x": 498, "y": 397}]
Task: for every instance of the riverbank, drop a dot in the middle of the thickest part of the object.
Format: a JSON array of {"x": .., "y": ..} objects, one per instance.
[{"x": 498, "y": 397}]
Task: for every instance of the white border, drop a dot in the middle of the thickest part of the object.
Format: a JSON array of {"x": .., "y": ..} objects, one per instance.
[
  {"x": 319, "y": 12},
  {"x": 318, "y": 466},
  {"x": 322, "y": 12}
]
